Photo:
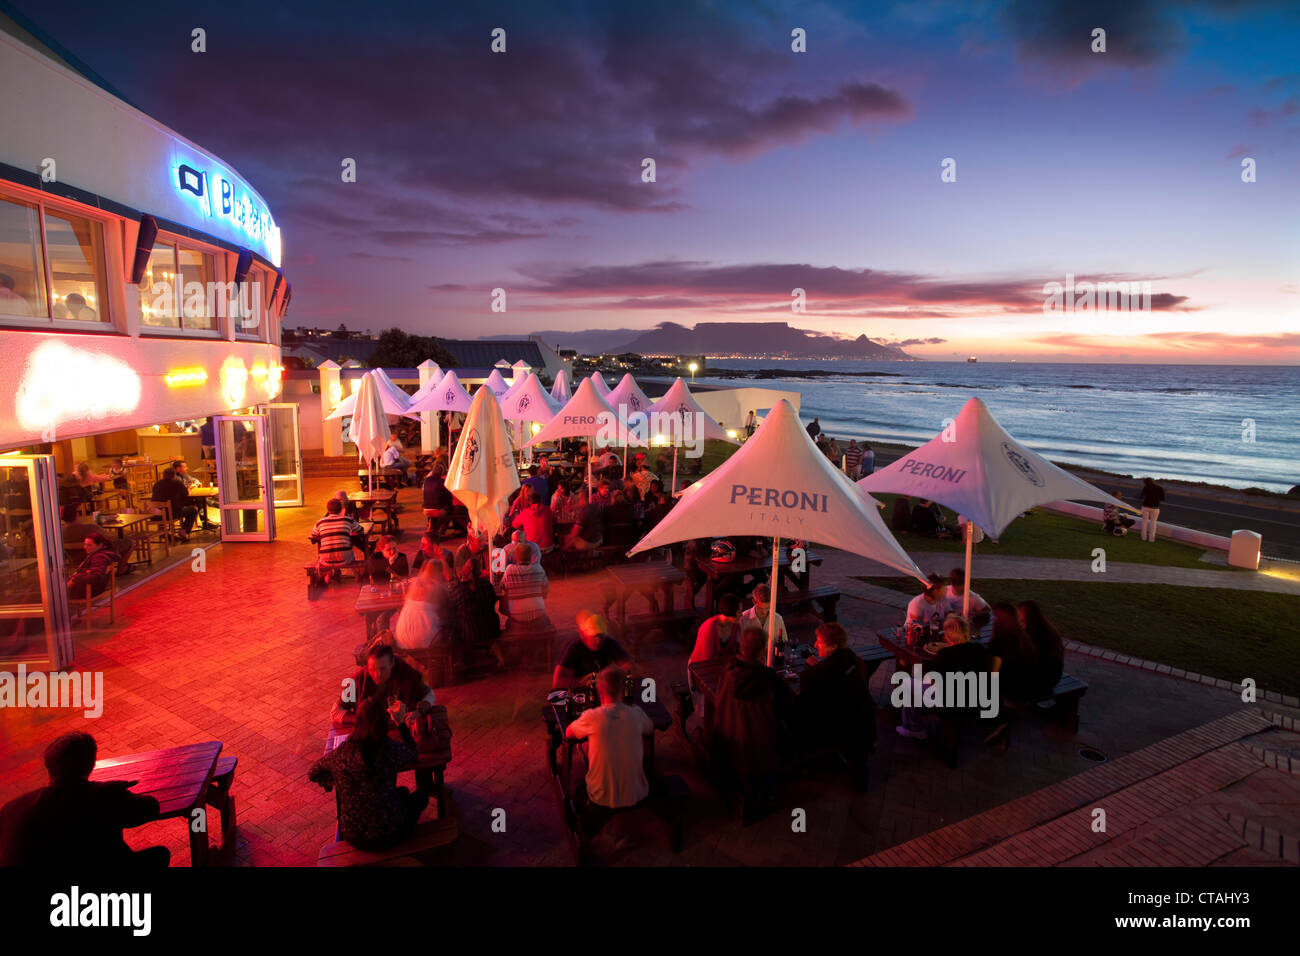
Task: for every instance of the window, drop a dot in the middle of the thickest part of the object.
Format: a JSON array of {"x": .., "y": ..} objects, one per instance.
[
  {"x": 22, "y": 271},
  {"x": 252, "y": 304},
  {"x": 51, "y": 265},
  {"x": 179, "y": 290}
]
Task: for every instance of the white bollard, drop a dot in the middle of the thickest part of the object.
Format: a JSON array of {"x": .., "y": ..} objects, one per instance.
[{"x": 1243, "y": 552}]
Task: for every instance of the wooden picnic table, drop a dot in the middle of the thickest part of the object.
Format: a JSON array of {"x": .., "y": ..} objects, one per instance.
[
  {"x": 755, "y": 567},
  {"x": 430, "y": 767},
  {"x": 375, "y": 600},
  {"x": 558, "y": 719},
  {"x": 651, "y": 580},
  {"x": 908, "y": 655},
  {"x": 177, "y": 778},
  {"x": 122, "y": 524}
]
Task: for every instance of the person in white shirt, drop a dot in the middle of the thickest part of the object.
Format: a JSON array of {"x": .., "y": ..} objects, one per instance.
[
  {"x": 424, "y": 620},
  {"x": 615, "y": 735},
  {"x": 757, "y": 615},
  {"x": 979, "y": 613},
  {"x": 392, "y": 458},
  {"x": 927, "y": 608}
]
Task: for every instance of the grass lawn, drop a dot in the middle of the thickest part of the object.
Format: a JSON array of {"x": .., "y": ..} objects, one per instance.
[
  {"x": 1046, "y": 534},
  {"x": 1213, "y": 631}
]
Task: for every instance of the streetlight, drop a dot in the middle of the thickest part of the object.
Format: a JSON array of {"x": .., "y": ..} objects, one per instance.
[{"x": 693, "y": 366}]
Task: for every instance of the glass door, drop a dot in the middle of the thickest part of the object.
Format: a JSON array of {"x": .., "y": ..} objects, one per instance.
[
  {"x": 245, "y": 492},
  {"x": 34, "y": 615},
  {"x": 286, "y": 452}
]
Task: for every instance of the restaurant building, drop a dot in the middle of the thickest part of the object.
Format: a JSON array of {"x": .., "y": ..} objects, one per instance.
[{"x": 141, "y": 295}]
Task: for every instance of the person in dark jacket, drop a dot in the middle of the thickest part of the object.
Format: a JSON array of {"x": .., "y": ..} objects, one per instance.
[
  {"x": 440, "y": 505},
  {"x": 474, "y": 601},
  {"x": 750, "y": 735},
  {"x": 901, "y": 518},
  {"x": 1152, "y": 496},
  {"x": 814, "y": 429},
  {"x": 171, "y": 490},
  {"x": 1014, "y": 654},
  {"x": 1047, "y": 641},
  {"x": 836, "y": 704},
  {"x": 75, "y": 824},
  {"x": 958, "y": 655},
  {"x": 101, "y": 558},
  {"x": 387, "y": 562},
  {"x": 374, "y": 812}
]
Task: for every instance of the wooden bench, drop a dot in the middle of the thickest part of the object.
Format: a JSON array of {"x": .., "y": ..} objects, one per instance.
[
  {"x": 355, "y": 568},
  {"x": 681, "y": 621},
  {"x": 428, "y": 835},
  {"x": 523, "y": 642},
  {"x": 88, "y": 602},
  {"x": 221, "y": 799},
  {"x": 1064, "y": 697},
  {"x": 824, "y": 597}
]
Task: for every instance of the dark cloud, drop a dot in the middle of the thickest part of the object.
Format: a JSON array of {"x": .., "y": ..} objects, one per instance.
[
  {"x": 930, "y": 341},
  {"x": 1138, "y": 32}
]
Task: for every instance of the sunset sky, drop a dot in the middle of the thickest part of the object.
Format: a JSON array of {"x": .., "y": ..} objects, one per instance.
[{"x": 775, "y": 169}]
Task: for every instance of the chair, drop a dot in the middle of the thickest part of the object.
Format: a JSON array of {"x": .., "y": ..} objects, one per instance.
[
  {"x": 87, "y": 603},
  {"x": 160, "y": 528}
]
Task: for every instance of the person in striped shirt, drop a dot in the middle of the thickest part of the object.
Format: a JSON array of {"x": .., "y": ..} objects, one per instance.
[
  {"x": 332, "y": 536},
  {"x": 523, "y": 589},
  {"x": 852, "y": 460}
]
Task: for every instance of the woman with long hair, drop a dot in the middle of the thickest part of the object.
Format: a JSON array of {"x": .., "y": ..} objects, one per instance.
[
  {"x": 1014, "y": 653},
  {"x": 1047, "y": 641},
  {"x": 374, "y": 812}
]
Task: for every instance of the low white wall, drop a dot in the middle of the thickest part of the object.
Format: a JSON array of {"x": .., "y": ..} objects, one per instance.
[
  {"x": 732, "y": 406},
  {"x": 1199, "y": 539}
]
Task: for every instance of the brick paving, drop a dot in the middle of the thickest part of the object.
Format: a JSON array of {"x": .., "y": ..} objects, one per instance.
[{"x": 238, "y": 653}]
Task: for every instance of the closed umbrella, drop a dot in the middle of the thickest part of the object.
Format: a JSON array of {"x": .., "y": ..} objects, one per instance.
[
  {"x": 482, "y": 473},
  {"x": 780, "y": 484},
  {"x": 391, "y": 403},
  {"x": 390, "y": 387},
  {"x": 976, "y": 468},
  {"x": 560, "y": 390},
  {"x": 369, "y": 422}
]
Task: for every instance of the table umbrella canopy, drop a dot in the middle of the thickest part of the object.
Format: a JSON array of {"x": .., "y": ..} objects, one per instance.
[
  {"x": 496, "y": 383},
  {"x": 390, "y": 387},
  {"x": 560, "y": 390},
  {"x": 977, "y": 469},
  {"x": 482, "y": 473},
  {"x": 369, "y": 420},
  {"x": 678, "y": 417},
  {"x": 780, "y": 485},
  {"x": 628, "y": 394},
  {"x": 585, "y": 415},
  {"x": 528, "y": 402},
  {"x": 391, "y": 403},
  {"x": 435, "y": 376},
  {"x": 598, "y": 380},
  {"x": 448, "y": 396}
]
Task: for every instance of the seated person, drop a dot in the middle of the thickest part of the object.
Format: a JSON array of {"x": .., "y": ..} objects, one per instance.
[
  {"x": 1047, "y": 642},
  {"x": 750, "y": 733},
  {"x": 74, "y": 822},
  {"x": 373, "y": 811},
  {"x": 718, "y": 635},
  {"x": 643, "y": 475},
  {"x": 334, "y": 535},
  {"x": 564, "y": 504},
  {"x": 387, "y": 562},
  {"x": 349, "y": 506},
  {"x": 925, "y": 522},
  {"x": 837, "y": 706},
  {"x": 958, "y": 656},
  {"x": 1015, "y": 658},
  {"x": 757, "y": 615},
  {"x": 926, "y": 611},
  {"x": 425, "y": 618},
  {"x": 538, "y": 482},
  {"x": 474, "y": 606},
  {"x": 392, "y": 458},
  {"x": 608, "y": 460},
  {"x": 592, "y": 651},
  {"x": 182, "y": 471},
  {"x": 536, "y": 520},
  {"x": 440, "y": 507},
  {"x": 523, "y": 590},
  {"x": 618, "y": 511},
  {"x": 900, "y": 518},
  {"x": 430, "y": 550},
  {"x": 117, "y": 472},
  {"x": 1115, "y": 522},
  {"x": 979, "y": 612},
  {"x": 168, "y": 489},
  {"x": 586, "y": 534},
  {"x": 615, "y": 733},
  {"x": 383, "y": 676},
  {"x": 101, "y": 558}
]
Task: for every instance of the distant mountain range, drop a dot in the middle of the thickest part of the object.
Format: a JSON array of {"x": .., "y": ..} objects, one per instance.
[{"x": 725, "y": 339}]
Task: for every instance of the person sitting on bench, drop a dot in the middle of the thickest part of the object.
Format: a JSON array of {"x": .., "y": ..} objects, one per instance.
[
  {"x": 927, "y": 520},
  {"x": 586, "y": 534},
  {"x": 591, "y": 652},
  {"x": 756, "y": 616},
  {"x": 374, "y": 812},
  {"x": 334, "y": 536},
  {"x": 1047, "y": 642},
  {"x": 958, "y": 656},
  {"x": 74, "y": 822},
  {"x": 535, "y": 519},
  {"x": 384, "y": 675},
  {"x": 615, "y": 733},
  {"x": 750, "y": 736},
  {"x": 979, "y": 608},
  {"x": 837, "y": 707},
  {"x": 523, "y": 590},
  {"x": 393, "y": 458},
  {"x": 387, "y": 562},
  {"x": 1015, "y": 657},
  {"x": 927, "y": 610},
  {"x": 1112, "y": 522},
  {"x": 101, "y": 558},
  {"x": 440, "y": 507}
]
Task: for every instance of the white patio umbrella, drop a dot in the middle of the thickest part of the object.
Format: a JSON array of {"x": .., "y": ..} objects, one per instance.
[
  {"x": 521, "y": 370},
  {"x": 583, "y": 416},
  {"x": 560, "y": 390},
  {"x": 598, "y": 380},
  {"x": 369, "y": 422},
  {"x": 482, "y": 473},
  {"x": 391, "y": 387},
  {"x": 679, "y": 418},
  {"x": 977, "y": 469},
  {"x": 392, "y": 405},
  {"x": 435, "y": 376},
  {"x": 780, "y": 484},
  {"x": 447, "y": 396},
  {"x": 631, "y": 404},
  {"x": 496, "y": 383},
  {"x": 528, "y": 402}
]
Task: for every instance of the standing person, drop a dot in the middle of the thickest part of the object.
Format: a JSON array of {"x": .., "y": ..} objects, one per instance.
[
  {"x": 868, "y": 460},
  {"x": 853, "y": 460},
  {"x": 751, "y": 423},
  {"x": 833, "y": 451},
  {"x": 74, "y": 822},
  {"x": 814, "y": 429},
  {"x": 1152, "y": 496}
]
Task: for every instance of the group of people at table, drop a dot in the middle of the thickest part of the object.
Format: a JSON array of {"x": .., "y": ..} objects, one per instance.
[{"x": 103, "y": 554}]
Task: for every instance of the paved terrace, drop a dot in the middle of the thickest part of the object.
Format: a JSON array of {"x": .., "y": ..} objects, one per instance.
[{"x": 238, "y": 654}]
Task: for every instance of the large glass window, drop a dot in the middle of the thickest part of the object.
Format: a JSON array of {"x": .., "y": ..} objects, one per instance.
[
  {"x": 22, "y": 270},
  {"x": 178, "y": 289},
  {"x": 75, "y": 249},
  {"x": 252, "y": 303}
]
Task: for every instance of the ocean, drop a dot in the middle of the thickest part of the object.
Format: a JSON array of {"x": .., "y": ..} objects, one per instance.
[{"x": 1234, "y": 425}]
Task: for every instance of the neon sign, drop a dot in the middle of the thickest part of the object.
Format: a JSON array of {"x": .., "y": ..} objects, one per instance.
[
  {"x": 220, "y": 197},
  {"x": 181, "y": 377}
]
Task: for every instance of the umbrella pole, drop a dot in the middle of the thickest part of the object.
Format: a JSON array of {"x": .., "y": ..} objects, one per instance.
[
  {"x": 625, "y": 461},
  {"x": 965, "y": 598},
  {"x": 674, "y": 491},
  {"x": 590, "y": 448},
  {"x": 771, "y": 595}
]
